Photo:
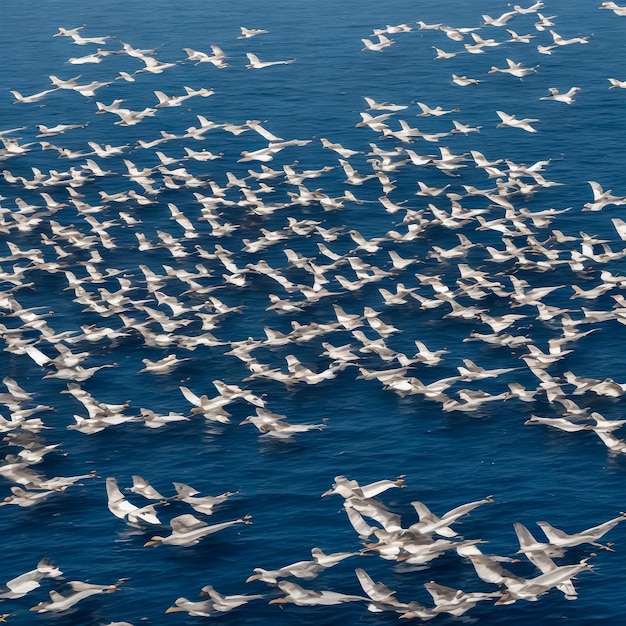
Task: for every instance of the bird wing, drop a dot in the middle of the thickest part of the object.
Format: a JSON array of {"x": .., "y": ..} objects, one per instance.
[
  {"x": 185, "y": 523},
  {"x": 442, "y": 595},
  {"x": 463, "y": 509},
  {"x": 553, "y": 534},
  {"x": 117, "y": 502},
  {"x": 25, "y": 582},
  {"x": 524, "y": 536},
  {"x": 423, "y": 512},
  {"x": 376, "y": 591},
  {"x": 190, "y": 396}
]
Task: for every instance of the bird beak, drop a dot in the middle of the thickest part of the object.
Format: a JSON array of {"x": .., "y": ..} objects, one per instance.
[
  {"x": 152, "y": 542},
  {"x": 173, "y": 609}
]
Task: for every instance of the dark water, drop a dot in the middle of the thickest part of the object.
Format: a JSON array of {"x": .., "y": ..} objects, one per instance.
[{"x": 370, "y": 433}]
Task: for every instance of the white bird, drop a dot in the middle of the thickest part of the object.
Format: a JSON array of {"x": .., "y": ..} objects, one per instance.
[
  {"x": 567, "y": 97},
  {"x": 255, "y": 63},
  {"x": 203, "y": 504},
  {"x": 187, "y": 530},
  {"x": 561, "y": 539},
  {"x": 383, "y": 42},
  {"x": 36, "y": 97},
  {"x": 383, "y": 106},
  {"x": 246, "y": 33},
  {"x": 437, "y": 111},
  {"x": 295, "y": 594},
  {"x": 464, "y": 81},
  {"x": 513, "y": 122},
  {"x": 515, "y": 69},
  {"x": 24, "y": 583},
  {"x": 618, "y": 10},
  {"x": 145, "y": 489},
  {"x": 81, "y": 590},
  {"x": 211, "y": 409},
  {"x": 430, "y": 523},
  {"x": 122, "y": 508}
]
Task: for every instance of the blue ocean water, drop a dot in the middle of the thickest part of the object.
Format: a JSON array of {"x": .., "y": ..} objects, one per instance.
[{"x": 370, "y": 432}]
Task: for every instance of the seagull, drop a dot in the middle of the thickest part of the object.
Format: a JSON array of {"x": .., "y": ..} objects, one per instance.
[{"x": 255, "y": 63}]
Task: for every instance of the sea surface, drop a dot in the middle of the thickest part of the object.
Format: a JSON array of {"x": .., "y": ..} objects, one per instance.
[{"x": 367, "y": 430}]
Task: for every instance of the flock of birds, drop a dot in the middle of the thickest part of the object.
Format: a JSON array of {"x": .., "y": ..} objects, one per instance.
[{"x": 262, "y": 238}]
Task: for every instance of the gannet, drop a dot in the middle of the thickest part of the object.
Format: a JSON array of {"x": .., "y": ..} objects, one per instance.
[
  {"x": 464, "y": 81},
  {"x": 203, "y": 504},
  {"x": 511, "y": 120},
  {"x": 250, "y": 32},
  {"x": 529, "y": 589},
  {"x": 350, "y": 488},
  {"x": 255, "y": 63},
  {"x": 81, "y": 590},
  {"x": 437, "y": 111},
  {"x": 145, "y": 489},
  {"x": 187, "y": 530},
  {"x": 442, "y": 54},
  {"x": 430, "y": 523},
  {"x": 558, "y": 422},
  {"x": 499, "y": 21},
  {"x": 21, "y": 585},
  {"x": 519, "y": 38},
  {"x": 560, "y": 41},
  {"x": 382, "y": 598},
  {"x": 567, "y": 97},
  {"x": 454, "y": 601},
  {"x": 307, "y": 597},
  {"x": 122, "y": 508},
  {"x": 383, "y": 42},
  {"x": 36, "y": 97},
  {"x": 561, "y": 539}
]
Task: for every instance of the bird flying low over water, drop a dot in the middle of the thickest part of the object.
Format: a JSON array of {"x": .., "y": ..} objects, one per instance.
[{"x": 255, "y": 63}]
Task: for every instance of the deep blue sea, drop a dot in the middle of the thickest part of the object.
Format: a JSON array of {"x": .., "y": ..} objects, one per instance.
[{"x": 84, "y": 233}]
